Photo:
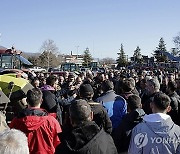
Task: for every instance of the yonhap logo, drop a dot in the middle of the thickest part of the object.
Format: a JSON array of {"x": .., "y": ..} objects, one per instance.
[
  {"x": 141, "y": 140},
  {"x": 165, "y": 140}
]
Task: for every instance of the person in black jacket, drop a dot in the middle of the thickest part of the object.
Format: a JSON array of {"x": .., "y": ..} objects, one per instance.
[
  {"x": 49, "y": 98},
  {"x": 175, "y": 100},
  {"x": 85, "y": 136},
  {"x": 99, "y": 112},
  {"x": 122, "y": 134},
  {"x": 152, "y": 88}
]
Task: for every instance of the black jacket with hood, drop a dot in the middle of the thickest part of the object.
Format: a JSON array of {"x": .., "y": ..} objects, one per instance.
[
  {"x": 86, "y": 139},
  {"x": 100, "y": 116},
  {"x": 122, "y": 134}
]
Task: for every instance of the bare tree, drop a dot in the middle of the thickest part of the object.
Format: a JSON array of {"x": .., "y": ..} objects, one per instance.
[
  {"x": 176, "y": 40},
  {"x": 49, "y": 54},
  {"x": 49, "y": 45}
]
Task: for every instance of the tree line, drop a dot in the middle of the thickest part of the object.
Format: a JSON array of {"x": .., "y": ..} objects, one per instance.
[
  {"x": 49, "y": 55},
  {"x": 122, "y": 59}
]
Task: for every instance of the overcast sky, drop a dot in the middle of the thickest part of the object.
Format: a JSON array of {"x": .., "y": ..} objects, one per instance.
[{"x": 101, "y": 25}]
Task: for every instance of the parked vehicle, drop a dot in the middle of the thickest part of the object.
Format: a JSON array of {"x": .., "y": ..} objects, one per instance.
[
  {"x": 12, "y": 59},
  {"x": 69, "y": 67}
]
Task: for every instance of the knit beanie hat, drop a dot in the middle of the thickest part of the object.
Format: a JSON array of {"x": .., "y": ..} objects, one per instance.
[{"x": 86, "y": 89}]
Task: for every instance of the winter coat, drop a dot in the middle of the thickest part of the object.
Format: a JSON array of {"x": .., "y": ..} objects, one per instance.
[
  {"x": 40, "y": 128},
  {"x": 157, "y": 134},
  {"x": 146, "y": 101},
  {"x": 116, "y": 107},
  {"x": 122, "y": 134},
  {"x": 87, "y": 138},
  {"x": 100, "y": 116},
  {"x": 50, "y": 104},
  {"x": 175, "y": 102}
]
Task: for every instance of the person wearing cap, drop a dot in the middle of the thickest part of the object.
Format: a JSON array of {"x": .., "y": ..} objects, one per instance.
[
  {"x": 86, "y": 136},
  {"x": 40, "y": 128},
  {"x": 99, "y": 112},
  {"x": 157, "y": 133},
  {"x": 116, "y": 105}
]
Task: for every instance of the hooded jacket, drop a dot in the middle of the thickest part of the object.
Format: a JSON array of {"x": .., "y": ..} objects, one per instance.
[
  {"x": 157, "y": 134},
  {"x": 50, "y": 102},
  {"x": 87, "y": 138},
  {"x": 40, "y": 128},
  {"x": 122, "y": 134}
]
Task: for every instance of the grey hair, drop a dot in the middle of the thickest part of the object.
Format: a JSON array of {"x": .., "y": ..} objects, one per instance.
[
  {"x": 155, "y": 83},
  {"x": 13, "y": 141}
]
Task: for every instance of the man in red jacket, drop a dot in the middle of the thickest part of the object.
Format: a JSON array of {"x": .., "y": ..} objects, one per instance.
[{"x": 40, "y": 128}]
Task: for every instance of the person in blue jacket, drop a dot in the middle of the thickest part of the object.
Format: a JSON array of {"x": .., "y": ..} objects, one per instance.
[{"x": 116, "y": 105}]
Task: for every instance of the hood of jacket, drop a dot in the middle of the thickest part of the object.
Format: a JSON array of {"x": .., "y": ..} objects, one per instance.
[
  {"x": 80, "y": 136},
  {"x": 136, "y": 116},
  {"x": 159, "y": 123},
  {"x": 130, "y": 121},
  {"x": 32, "y": 118}
]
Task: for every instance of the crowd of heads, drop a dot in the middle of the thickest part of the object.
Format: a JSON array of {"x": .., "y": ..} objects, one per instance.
[
  {"x": 90, "y": 85},
  {"x": 135, "y": 86}
]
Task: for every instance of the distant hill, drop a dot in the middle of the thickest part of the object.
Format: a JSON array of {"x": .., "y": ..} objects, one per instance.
[
  {"x": 2, "y": 48},
  {"x": 30, "y": 54}
]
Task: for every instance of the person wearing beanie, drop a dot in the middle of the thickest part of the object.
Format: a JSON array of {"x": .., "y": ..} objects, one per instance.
[
  {"x": 86, "y": 136},
  {"x": 99, "y": 112},
  {"x": 116, "y": 105}
]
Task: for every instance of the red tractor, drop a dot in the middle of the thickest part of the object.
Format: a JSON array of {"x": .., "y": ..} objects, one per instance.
[{"x": 12, "y": 59}]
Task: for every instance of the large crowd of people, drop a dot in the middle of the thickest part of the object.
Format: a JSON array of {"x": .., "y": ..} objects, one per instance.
[{"x": 111, "y": 112}]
